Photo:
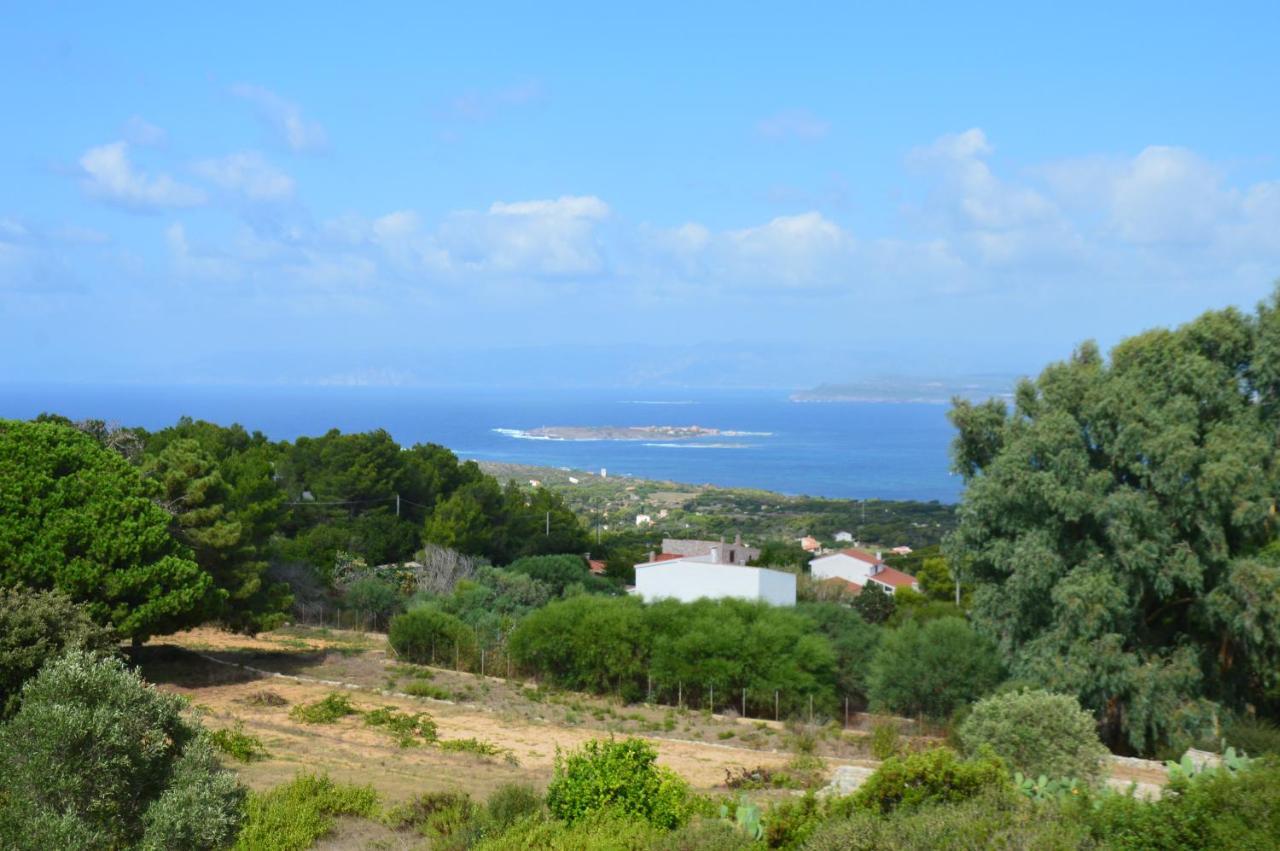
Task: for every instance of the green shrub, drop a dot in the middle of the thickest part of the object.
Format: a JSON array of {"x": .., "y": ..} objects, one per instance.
[
  {"x": 993, "y": 819},
  {"x": 295, "y": 815},
  {"x": 622, "y": 775},
  {"x": 328, "y": 709},
  {"x": 427, "y": 633},
  {"x": 407, "y": 728},
  {"x": 511, "y": 802},
  {"x": 479, "y": 747},
  {"x": 884, "y": 740},
  {"x": 36, "y": 626},
  {"x": 602, "y": 829},
  {"x": 438, "y": 815},
  {"x": 95, "y": 757},
  {"x": 1036, "y": 732},
  {"x": 703, "y": 834},
  {"x": 932, "y": 669},
  {"x": 1254, "y": 736},
  {"x": 237, "y": 744},
  {"x": 931, "y": 777}
]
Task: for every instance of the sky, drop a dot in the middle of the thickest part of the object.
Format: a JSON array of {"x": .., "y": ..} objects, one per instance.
[{"x": 577, "y": 195}]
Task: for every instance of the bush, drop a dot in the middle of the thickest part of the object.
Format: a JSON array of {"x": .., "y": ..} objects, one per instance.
[
  {"x": 884, "y": 740},
  {"x": 328, "y": 709},
  {"x": 422, "y": 688},
  {"x": 373, "y": 599},
  {"x": 1213, "y": 810},
  {"x": 295, "y": 815},
  {"x": 603, "y": 829},
  {"x": 36, "y": 626},
  {"x": 95, "y": 757},
  {"x": 930, "y": 777},
  {"x": 237, "y": 744},
  {"x": 427, "y": 633},
  {"x": 407, "y": 728},
  {"x": 1036, "y": 732},
  {"x": 511, "y": 802},
  {"x": 608, "y": 774},
  {"x": 1254, "y": 736},
  {"x": 932, "y": 669},
  {"x": 990, "y": 820}
]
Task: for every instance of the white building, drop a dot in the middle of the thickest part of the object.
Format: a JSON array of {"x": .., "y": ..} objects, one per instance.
[
  {"x": 734, "y": 553},
  {"x": 644, "y": 520},
  {"x": 861, "y": 568},
  {"x": 692, "y": 578},
  {"x": 844, "y": 537}
]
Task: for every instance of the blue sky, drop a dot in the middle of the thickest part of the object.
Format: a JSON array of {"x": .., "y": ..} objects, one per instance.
[{"x": 674, "y": 193}]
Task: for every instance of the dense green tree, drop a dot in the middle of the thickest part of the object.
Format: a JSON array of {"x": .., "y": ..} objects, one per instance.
[
  {"x": 560, "y": 572},
  {"x": 78, "y": 518},
  {"x": 374, "y": 600},
  {"x": 932, "y": 669},
  {"x": 1036, "y": 732},
  {"x": 428, "y": 633},
  {"x": 783, "y": 554},
  {"x": 96, "y": 758},
  {"x": 1116, "y": 521},
  {"x": 874, "y": 605},
  {"x": 469, "y": 520},
  {"x": 191, "y": 488},
  {"x": 854, "y": 642},
  {"x": 36, "y": 626}
]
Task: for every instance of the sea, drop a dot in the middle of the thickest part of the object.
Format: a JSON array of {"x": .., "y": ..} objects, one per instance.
[{"x": 849, "y": 449}]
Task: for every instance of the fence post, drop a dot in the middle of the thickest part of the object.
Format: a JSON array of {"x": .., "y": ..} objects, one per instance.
[
  {"x": 744, "y": 703},
  {"x": 775, "y": 705},
  {"x": 482, "y": 662},
  {"x": 810, "y": 709},
  {"x": 680, "y": 695},
  {"x": 846, "y": 710},
  {"x": 713, "y": 698}
]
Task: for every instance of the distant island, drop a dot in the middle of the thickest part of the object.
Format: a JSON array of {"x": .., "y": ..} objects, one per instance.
[
  {"x": 639, "y": 433},
  {"x": 937, "y": 392}
]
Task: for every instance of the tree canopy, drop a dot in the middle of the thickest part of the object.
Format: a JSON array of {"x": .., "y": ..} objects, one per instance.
[
  {"x": 77, "y": 517},
  {"x": 1118, "y": 525}
]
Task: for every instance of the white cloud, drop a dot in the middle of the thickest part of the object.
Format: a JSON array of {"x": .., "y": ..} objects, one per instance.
[
  {"x": 806, "y": 250},
  {"x": 793, "y": 124},
  {"x": 141, "y": 132},
  {"x": 1168, "y": 195},
  {"x": 554, "y": 238},
  {"x": 284, "y": 117},
  {"x": 109, "y": 176},
  {"x": 249, "y": 174}
]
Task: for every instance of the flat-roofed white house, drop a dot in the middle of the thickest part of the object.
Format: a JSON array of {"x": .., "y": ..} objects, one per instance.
[
  {"x": 861, "y": 568},
  {"x": 689, "y": 578}
]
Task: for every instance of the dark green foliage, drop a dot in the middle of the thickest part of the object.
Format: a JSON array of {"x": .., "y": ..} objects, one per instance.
[
  {"x": 426, "y": 633},
  {"x": 190, "y": 485},
  {"x": 616, "y": 645},
  {"x": 1116, "y": 525},
  {"x": 1036, "y": 732},
  {"x": 618, "y": 775},
  {"x": 931, "y": 777},
  {"x": 560, "y": 572},
  {"x": 439, "y": 815},
  {"x": 932, "y": 669},
  {"x": 98, "y": 758},
  {"x": 373, "y": 600},
  {"x": 76, "y": 517},
  {"x": 854, "y": 641},
  {"x": 874, "y": 605},
  {"x": 992, "y": 819},
  {"x": 1254, "y": 736},
  {"x": 1215, "y": 810},
  {"x": 783, "y": 554},
  {"x": 36, "y": 626},
  {"x": 293, "y": 816},
  {"x": 511, "y": 802}
]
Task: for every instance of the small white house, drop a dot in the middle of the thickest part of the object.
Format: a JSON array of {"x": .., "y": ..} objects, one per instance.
[
  {"x": 844, "y": 537},
  {"x": 695, "y": 577},
  {"x": 861, "y": 568},
  {"x": 644, "y": 520}
]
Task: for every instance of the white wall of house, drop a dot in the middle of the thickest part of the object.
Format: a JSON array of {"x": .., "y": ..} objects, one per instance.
[
  {"x": 689, "y": 580},
  {"x": 842, "y": 566}
]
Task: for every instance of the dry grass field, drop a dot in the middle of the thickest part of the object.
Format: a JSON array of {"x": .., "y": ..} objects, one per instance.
[{"x": 226, "y": 676}]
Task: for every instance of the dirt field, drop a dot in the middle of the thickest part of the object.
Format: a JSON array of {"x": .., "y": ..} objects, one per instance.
[
  {"x": 219, "y": 672},
  {"x": 209, "y": 667}
]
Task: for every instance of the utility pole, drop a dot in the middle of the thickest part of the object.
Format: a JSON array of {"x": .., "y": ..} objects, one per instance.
[
  {"x": 397, "y": 505},
  {"x": 548, "y": 532}
]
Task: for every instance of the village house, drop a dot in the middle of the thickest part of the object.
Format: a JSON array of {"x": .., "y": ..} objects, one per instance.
[
  {"x": 863, "y": 569},
  {"x": 710, "y": 576},
  {"x": 734, "y": 553},
  {"x": 809, "y": 544},
  {"x": 844, "y": 537},
  {"x": 644, "y": 520}
]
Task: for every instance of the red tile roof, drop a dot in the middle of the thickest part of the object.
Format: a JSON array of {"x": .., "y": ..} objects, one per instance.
[
  {"x": 666, "y": 557},
  {"x": 596, "y": 566},
  {"x": 861, "y": 555},
  {"x": 889, "y": 576}
]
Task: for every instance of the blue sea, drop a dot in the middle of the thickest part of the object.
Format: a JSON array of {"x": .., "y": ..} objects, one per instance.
[{"x": 857, "y": 450}]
